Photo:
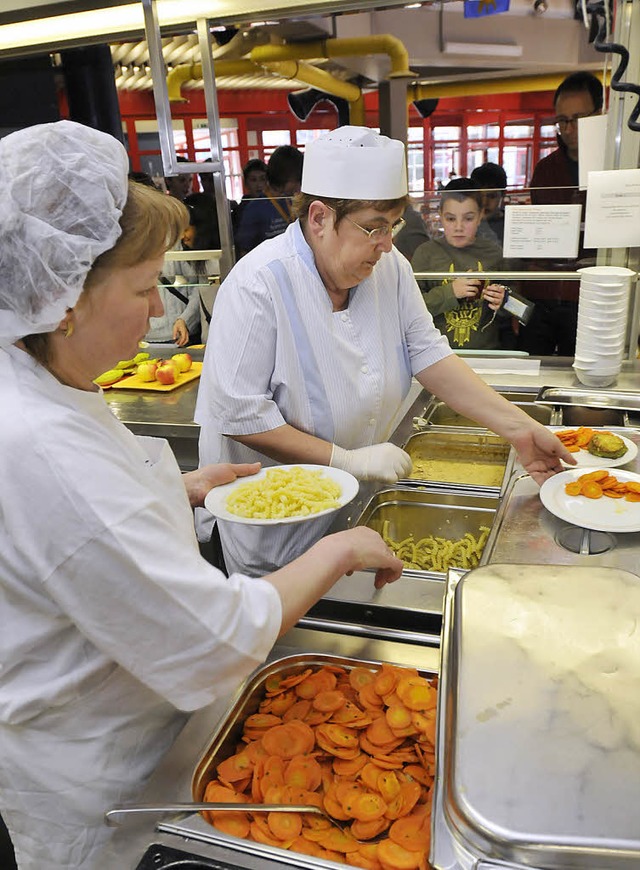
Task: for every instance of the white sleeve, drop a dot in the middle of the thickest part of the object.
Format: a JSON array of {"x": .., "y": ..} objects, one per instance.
[
  {"x": 164, "y": 613},
  {"x": 240, "y": 360},
  {"x": 426, "y": 344}
]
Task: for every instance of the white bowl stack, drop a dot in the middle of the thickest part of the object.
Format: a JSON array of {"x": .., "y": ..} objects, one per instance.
[{"x": 603, "y": 308}]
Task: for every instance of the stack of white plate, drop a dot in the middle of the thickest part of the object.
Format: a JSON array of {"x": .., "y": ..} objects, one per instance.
[{"x": 602, "y": 320}]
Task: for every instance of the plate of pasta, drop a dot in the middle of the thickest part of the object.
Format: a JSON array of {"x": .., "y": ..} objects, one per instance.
[{"x": 283, "y": 494}]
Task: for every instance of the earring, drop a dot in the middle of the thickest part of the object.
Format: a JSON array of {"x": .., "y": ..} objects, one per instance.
[{"x": 68, "y": 329}]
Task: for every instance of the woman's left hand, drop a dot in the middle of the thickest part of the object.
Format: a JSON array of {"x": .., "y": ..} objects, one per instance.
[
  {"x": 199, "y": 483},
  {"x": 180, "y": 332},
  {"x": 540, "y": 452}
]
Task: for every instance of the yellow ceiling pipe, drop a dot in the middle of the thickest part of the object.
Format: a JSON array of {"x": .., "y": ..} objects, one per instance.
[
  {"x": 303, "y": 72},
  {"x": 186, "y": 72},
  {"x": 382, "y": 43},
  {"x": 512, "y": 85},
  {"x": 317, "y": 78}
]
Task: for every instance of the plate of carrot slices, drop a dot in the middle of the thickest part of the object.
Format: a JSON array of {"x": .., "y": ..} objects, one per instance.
[
  {"x": 597, "y": 500},
  {"x": 358, "y": 742},
  {"x": 577, "y": 443}
]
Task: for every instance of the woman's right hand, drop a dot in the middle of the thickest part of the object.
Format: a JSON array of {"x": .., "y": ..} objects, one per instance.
[
  {"x": 366, "y": 549},
  {"x": 383, "y": 462}
]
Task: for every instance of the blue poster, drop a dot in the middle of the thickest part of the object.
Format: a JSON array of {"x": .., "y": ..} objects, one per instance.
[{"x": 481, "y": 8}]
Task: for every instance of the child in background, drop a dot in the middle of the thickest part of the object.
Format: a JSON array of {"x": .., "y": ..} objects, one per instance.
[{"x": 466, "y": 310}]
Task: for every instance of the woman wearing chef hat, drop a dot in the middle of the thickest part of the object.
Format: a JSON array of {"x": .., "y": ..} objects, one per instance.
[
  {"x": 316, "y": 337},
  {"x": 113, "y": 625}
]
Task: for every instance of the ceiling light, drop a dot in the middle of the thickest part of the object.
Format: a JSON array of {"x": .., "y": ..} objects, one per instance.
[
  {"x": 540, "y": 7},
  {"x": 490, "y": 49}
]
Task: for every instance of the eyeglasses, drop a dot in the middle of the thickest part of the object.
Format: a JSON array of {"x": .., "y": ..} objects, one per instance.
[
  {"x": 378, "y": 233},
  {"x": 562, "y": 123}
]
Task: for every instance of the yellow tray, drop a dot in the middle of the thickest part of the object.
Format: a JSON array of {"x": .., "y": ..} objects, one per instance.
[{"x": 134, "y": 382}]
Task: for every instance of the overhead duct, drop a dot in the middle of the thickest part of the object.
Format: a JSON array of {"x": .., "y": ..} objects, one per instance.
[
  {"x": 382, "y": 43},
  {"x": 302, "y": 103},
  {"x": 289, "y": 69},
  {"x": 467, "y": 88}
]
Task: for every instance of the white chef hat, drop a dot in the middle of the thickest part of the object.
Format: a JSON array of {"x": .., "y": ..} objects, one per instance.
[
  {"x": 355, "y": 163},
  {"x": 63, "y": 187}
]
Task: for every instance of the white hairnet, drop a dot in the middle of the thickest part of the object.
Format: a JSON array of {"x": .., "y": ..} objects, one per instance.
[{"x": 63, "y": 187}]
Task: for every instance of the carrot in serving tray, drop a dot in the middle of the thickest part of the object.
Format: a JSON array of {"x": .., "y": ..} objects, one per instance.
[{"x": 359, "y": 744}]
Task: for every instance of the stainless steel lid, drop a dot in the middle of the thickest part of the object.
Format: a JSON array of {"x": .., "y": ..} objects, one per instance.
[{"x": 540, "y": 741}]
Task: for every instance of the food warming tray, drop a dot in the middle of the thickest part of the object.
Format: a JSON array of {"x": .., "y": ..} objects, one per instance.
[
  {"x": 539, "y": 720},
  {"x": 438, "y": 413},
  {"x": 474, "y": 455},
  {"x": 609, "y": 399},
  {"x": 404, "y": 511},
  {"x": 226, "y": 737}
]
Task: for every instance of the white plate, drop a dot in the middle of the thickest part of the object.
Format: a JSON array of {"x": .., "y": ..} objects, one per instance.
[
  {"x": 584, "y": 459},
  {"x": 215, "y": 500},
  {"x": 599, "y": 514}
]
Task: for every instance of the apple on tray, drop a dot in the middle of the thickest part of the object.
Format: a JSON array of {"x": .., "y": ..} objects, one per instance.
[
  {"x": 184, "y": 361},
  {"x": 146, "y": 371},
  {"x": 166, "y": 372}
]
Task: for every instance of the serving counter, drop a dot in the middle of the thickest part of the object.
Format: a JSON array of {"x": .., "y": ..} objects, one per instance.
[{"x": 400, "y": 623}]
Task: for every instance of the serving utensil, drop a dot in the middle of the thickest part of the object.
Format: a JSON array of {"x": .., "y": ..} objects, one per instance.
[{"x": 115, "y": 815}]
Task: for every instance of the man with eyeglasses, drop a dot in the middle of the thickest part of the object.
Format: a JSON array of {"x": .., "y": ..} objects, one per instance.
[
  {"x": 552, "y": 328},
  {"x": 314, "y": 341}
]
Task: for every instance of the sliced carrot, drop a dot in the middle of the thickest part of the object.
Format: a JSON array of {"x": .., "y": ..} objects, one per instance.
[
  {"x": 261, "y": 833},
  {"x": 360, "y": 677},
  {"x": 339, "y": 841},
  {"x": 388, "y": 784},
  {"x": 294, "y": 679},
  {"x": 419, "y": 774},
  {"x": 292, "y": 738},
  {"x": 369, "y": 698},
  {"x": 368, "y": 806},
  {"x": 346, "y": 793},
  {"x": 365, "y": 830},
  {"x": 281, "y": 703},
  {"x": 349, "y": 766},
  {"x": 285, "y": 826},
  {"x": 235, "y": 767},
  {"x": 297, "y": 711},
  {"x": 591, "y": 489},
  {"x": 303, "y": 771},
  {"x": 385, "y": 680},
  {"x": 329, "y": 701},
  {"x": 340, "y": 735},
  {"x": 233, "y": 824},
  {"x": 261, "y": 721},
  {"x": 396, "y": 857},
  {"x": 573, "y": 488},
  {"x": 379, "y": 732},
  {"x": 410, "y": 832}
]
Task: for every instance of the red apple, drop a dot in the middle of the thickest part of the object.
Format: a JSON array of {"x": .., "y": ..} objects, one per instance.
[
  {"x": 166, "y": 372},
  {"x": 183, "y": 361},
  {"x": 146, "y": 371}
]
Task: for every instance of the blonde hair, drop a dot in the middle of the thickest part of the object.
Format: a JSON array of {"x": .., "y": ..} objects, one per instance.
[{"x": 151, "y": 224}]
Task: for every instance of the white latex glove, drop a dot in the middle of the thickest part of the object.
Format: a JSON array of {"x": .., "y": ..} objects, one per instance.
[{"x": 383, "y": 462}]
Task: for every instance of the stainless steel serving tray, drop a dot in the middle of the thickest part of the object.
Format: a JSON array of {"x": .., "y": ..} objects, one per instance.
[
  {"x": 539, "y": 762},
  {"x": 468, "y": 447},
  {"x": 404, "y": 510},
  {"x": 613, "y": 400},
  {"x": 438, "y": 413},
  {"x": 223, "y": 743}
]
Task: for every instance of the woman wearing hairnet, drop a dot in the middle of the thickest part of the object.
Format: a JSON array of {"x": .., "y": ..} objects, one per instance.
[
  {"x": 113, "y": 625},
  {"x": 316, "y": 336}
]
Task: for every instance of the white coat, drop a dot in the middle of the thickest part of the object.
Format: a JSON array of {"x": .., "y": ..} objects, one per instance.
[
  {"x": 113, "y": 626},
  {"x": 277, "y": 353}
]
